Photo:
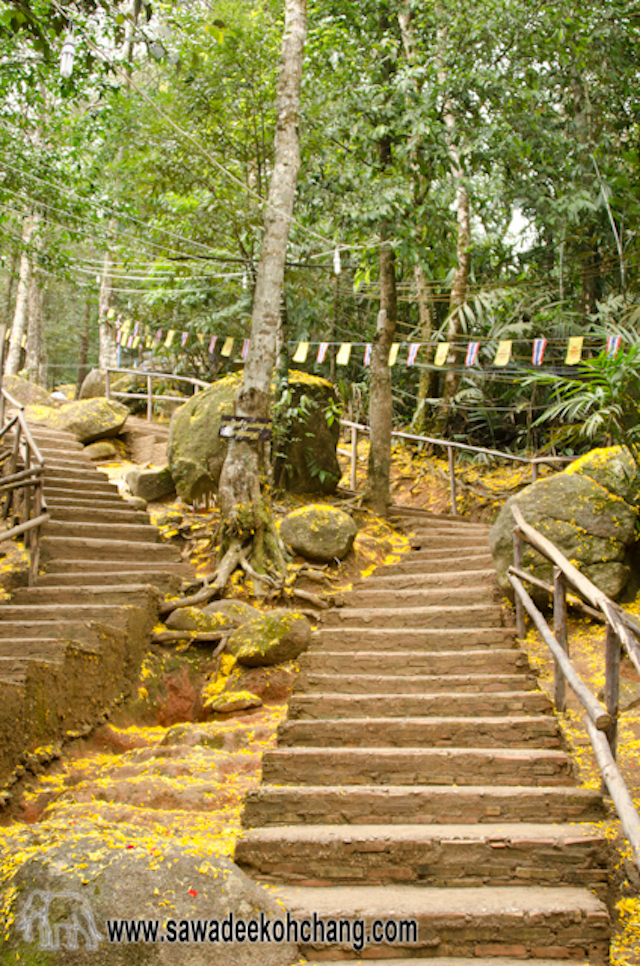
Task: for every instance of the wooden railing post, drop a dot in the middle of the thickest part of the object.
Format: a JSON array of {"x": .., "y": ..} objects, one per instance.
[
  {"x": 149, "y": 400},
  {"x": 107, "y": 384},
  {"x": 354, "y": 458},
  {"x": 521, "y": 628},
  {"x": 612, "y": 685},
  {"x": 560, "y": 634},
  {"x": 452, "y": 481},
  {"x": 534, "y": 471}
]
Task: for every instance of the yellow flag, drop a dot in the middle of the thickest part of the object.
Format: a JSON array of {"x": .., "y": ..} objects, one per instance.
[
  {"x": 23, "y": 340},
  {"x": 126, "y": 327},
  {"x": 136, "y": 342},
  {"x": 344, "y": 354},
  {"x": 169, "y": 339},
  {"x": 393, "y": 353},
  {"x": 201, "y": 338},
  {"x": 227, "y": 348},
  {"x": 574, "y": 350},
  {"x": 301, "y": 352},
  {"x": 441, "y": 354},
  {"x": 503, "y": 355}
]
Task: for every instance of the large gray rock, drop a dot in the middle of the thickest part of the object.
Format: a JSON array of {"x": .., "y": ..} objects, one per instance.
[
  {"x": 87, "y": 419},
  {"x": 319, "y": 532},
  {"x": 151, "y": 484},
  {"x": 94, "y": 384},
  {"x": 583, "y": 512},
  {"x": 307, "y": 443},
  {"x": 28, "y": 393},
  {"x": 275, "y": 637},
  {"x": 73, "y": 884}
]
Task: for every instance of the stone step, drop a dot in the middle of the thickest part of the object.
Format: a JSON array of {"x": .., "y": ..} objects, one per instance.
[
  {"x": 412, "y": 639},
  {"x": 414, "y": 662},
  {"x": 480, "y": 615},
  {"x": 131, "y": 532},
  {"x": 119, "y": 513},
  {"x": 406, "y": 705},
  {"x": 419, "y": 804},
  {"x": 515, "y": 922},
  {"x": 399, "y": 597},
  {"x": 466, "y": 578},
  {"x": 72, "y": 499},
  {"x": 410, "y": 563},
  {"x": 55, "y": 483},
  {"x": 166, "y": 583},
  {"x": 444, "y": 856},
  {"x": 134, "y": 565},
  {"x": 450, "y": 541},
  {"x": 421, "y": 532},
  {"x": 454, "y": 551},
  {"x": 53, "y": 548},
  {"x": 17, "y": 615},
  {"x": 75, "y": 465},
  {"x": 51, "y": 650},
  {"x": 447, "y": 961},
  {"x": 133, "y": 595},
  {"x": 488, "y": 731},
  {"x": 66, "y": 449},
  {"x": 462, "y": 684},
  {"x": 14, "y": 635},
  {"x": 416, "y": 766}
]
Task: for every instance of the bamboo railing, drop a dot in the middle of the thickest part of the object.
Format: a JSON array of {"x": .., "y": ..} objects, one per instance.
[
  {"x": 622, "y": 631},
  {"x": 150, "y": 395},
  {"x": 451, "y": 446}
]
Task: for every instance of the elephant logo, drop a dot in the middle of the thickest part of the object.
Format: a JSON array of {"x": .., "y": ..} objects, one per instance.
[{"x": 58, "y": 915}]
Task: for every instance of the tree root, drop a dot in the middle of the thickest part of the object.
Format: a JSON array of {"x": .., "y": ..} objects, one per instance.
[
  {"x": 256, "y": 577},
  {"x": 226, "y": 567},
  {"x": 310, "y": 598},
  {"x": 174, "y": 637}
]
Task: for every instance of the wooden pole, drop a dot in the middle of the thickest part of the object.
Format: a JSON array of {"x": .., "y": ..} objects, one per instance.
[
  {"x": 521, "y": 627},
  {"x": 354, "y": 457},
  {"x": 534, "y": 471},
  {"x": 149, "y": 400},
  {"x": 452, "y": 478},
  {"x": 560, "y": 634},
  {"x": 107, "y": 384},
  {"x": 612, "y": 685}
]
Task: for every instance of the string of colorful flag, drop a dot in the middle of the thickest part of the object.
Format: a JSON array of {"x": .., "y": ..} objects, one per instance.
[{"x": 131, "y": 335}]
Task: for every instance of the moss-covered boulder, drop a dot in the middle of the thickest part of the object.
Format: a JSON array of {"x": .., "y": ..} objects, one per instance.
[
  {"x": 27, "y": 393},
  {"x": 319, "y": 532},
  {"x": 230, "y": 702},
  {"x": 280, "y": 635},
  {"x": 106, "y": 449},
  {"x": 302, "y": 435},
  {"x": 585, "y": 513},
  {"x": 88, "y": 419},
  {"x": 94, "y": 384},
  {"x": 151, "y": 484},
  {"x": 230, "y": 613},
  {"x": 191, "y": 619}
]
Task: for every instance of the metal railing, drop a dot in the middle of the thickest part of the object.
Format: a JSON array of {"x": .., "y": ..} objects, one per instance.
[
  {"x": 450, "y": 446},
  {"x": 29, "y": 480},
  {"x": 621, "y": 632},
  {"x": 150, "y": 395}
]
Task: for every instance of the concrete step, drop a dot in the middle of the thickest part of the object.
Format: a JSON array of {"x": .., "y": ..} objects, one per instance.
[
  {"x": 444, "y": 856},
  {"x": 134, "y": 566},
  {"x": 460, "y": 684},
  {"x": 451, "y": 541},
  {"x": 489, "y": 731},
  {"x": 411, "y": 563},
  {"x": 119, "y": 513},
  {"x": 416, "y": 766},
  {"x": 466, "y": 578},
  {"x": 515, "y": 922},
  {"x": 477, "y": 548},
  {"x": 479, "y": 615},
  {"x": 398, "y": 597},
  {"x": 54, "y": 548},
  {"x": 419, "y": 804},
  {"x": 131, "y": 532},
  {"x": 14, "y": 635},
  {"x": 412, "y": 639},
  {"x": 73, "y": 465},
  {"x": 439, "y": 704},
  {"x": 66, "y": 449},
  {"x": 73, "y": 475},
  {"x": 133, "y": 595},
  {"x": 166, "y": 583},
  {"x": 72, "y": 498},
  {"x": 414, "y": 662},
  {"x": 446, "y": 961}
]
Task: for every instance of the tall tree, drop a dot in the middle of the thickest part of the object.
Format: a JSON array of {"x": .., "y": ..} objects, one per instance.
[{"x": 246, "y": 522}]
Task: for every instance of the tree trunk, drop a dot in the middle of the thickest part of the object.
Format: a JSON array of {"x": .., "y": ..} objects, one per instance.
[
  {"x": 427, "y": 314},
  {"x": 33, "y": 363},
  {"x": 83, "y": 348},
  {"x": 108, "y": 352},
  {"x": 380, "y": 398},
  {"x": 244, "y": 514},
  {"x": 8, "y": 290},
  {"x": 19, "y": 324}
]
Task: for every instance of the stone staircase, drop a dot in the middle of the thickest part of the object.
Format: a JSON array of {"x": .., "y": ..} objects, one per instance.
[
  {"x": 73, "y": 643},
  {"x": 422, "y": 775}
]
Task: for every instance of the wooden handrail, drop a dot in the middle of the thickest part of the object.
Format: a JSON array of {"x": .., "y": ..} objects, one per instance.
[
  {"x": 150, "y": 395},
  {"x": 621, "y": 629}
]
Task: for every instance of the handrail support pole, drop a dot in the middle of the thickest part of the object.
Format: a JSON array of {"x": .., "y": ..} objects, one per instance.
[
  {"x": 560, "y": 634},
  {"x": 354, "y": 458},
  {"x": 521, "y": 627},
  {"x": 612, "y": 685},
  {"x": 452, "y": 480}
]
